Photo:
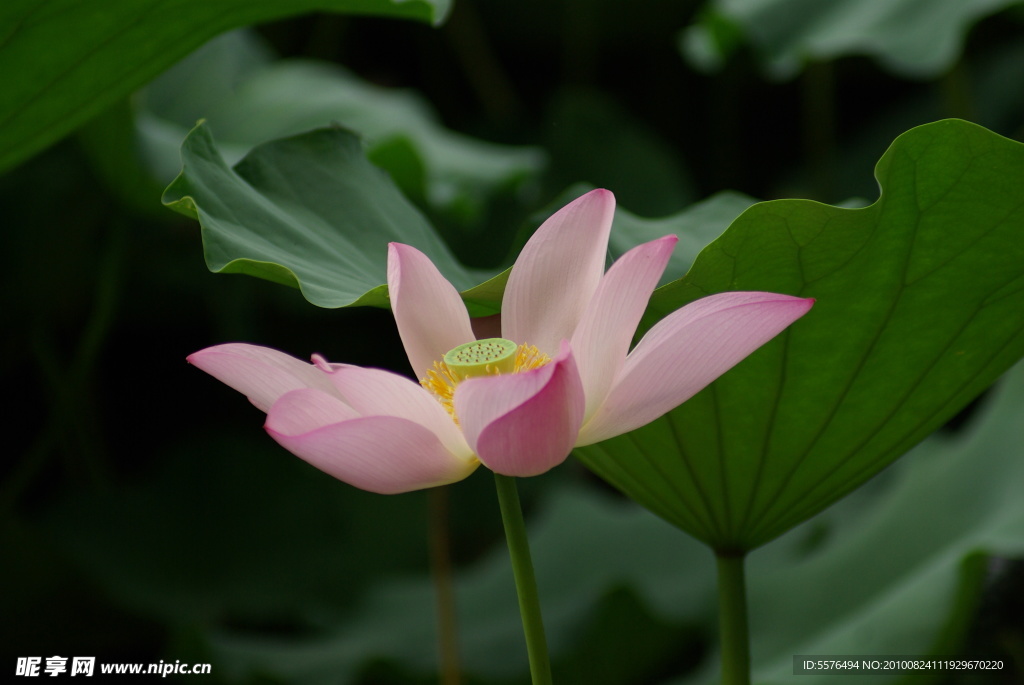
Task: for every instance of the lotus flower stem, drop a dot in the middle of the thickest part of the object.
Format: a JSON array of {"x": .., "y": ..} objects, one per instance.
[
  {"x": 441, "y": 571},
  {"x": 732, "y": 618},
  {"x": 526, "y": 584}
]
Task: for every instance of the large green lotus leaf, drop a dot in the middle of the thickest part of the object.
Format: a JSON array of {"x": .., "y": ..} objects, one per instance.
[
  {"x": 920, "y": 306},
  {"x": 308, "y": 211},
  {"x": 248, "y": 98},
  {"x": 911, "y": 567},
  {"x": 917, "y": 38},
  {"x": 65, "y": 61}
]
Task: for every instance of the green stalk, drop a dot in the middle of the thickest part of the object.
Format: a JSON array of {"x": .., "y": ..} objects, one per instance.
[
  {"x": 444, "y": 587},
  {"x": 526, "y": 584},
  {"x": 732, "y": 618}
]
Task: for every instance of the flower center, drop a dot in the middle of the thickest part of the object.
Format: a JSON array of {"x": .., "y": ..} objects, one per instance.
[
  {"x": 482, "y": 358},
  {"x": 489, "y": 357}
]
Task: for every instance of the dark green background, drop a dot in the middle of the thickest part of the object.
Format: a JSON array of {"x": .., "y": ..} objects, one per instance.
[{"x": 147, "y": 517}]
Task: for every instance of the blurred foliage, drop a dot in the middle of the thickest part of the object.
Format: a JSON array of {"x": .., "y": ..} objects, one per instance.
[
  {"x": 235, "y": 84},
  {"x": 914, "y": 38},
  {"x": 147, "y": 518}
]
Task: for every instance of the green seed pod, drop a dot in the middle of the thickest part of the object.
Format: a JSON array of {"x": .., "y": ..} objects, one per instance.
[{"x": 482, "y": 358}]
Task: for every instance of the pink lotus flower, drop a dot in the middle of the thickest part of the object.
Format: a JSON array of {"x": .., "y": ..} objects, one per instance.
[{"x": 562, "y": 374}]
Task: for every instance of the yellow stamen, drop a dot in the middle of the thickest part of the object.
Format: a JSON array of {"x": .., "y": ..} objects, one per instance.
[
  {"x": 528, "y": 357},
  {"x": 442, "y": 380}
]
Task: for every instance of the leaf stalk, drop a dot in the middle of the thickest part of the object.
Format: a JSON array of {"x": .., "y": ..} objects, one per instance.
[{"x": 733, "y": 627}]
